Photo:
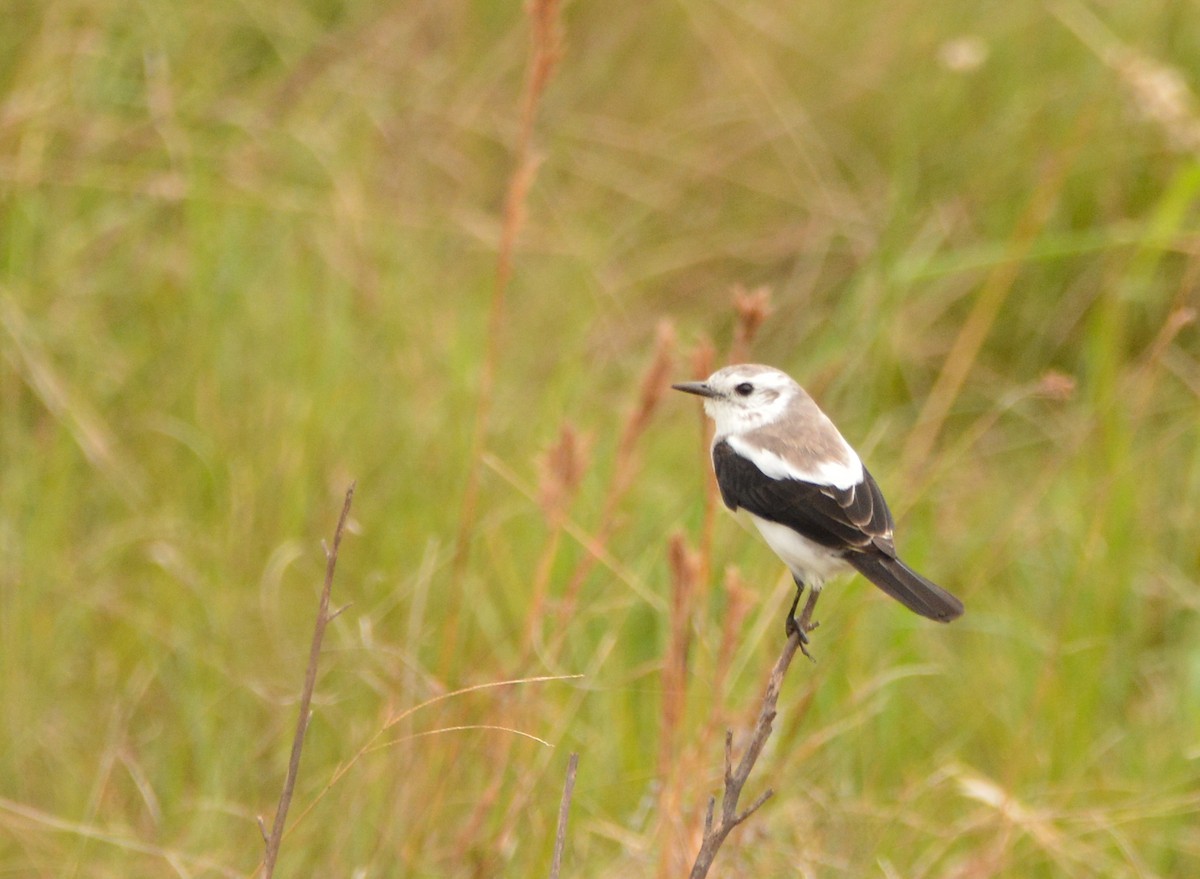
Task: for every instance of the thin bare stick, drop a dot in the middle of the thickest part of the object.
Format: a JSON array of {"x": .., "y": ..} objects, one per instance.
[
  {"x": 564, "y": 808},
  {"x": 715, "y": 831},
  {"x": 310, "y": 684}
]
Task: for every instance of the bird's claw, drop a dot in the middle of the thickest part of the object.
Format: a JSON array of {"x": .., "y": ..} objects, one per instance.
[
  {"x": 791, "y": 626},
  {"x": 801, "y": 627}
]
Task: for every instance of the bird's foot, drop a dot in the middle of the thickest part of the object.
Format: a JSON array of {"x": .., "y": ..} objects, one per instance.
[
  {"x": 791, "y": 626},
  {"x": 805, "y": 624},
  {"x": 801, "y": 630}
]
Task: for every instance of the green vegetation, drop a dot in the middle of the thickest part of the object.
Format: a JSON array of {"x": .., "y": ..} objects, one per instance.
[{"x": 248, "y": 253}]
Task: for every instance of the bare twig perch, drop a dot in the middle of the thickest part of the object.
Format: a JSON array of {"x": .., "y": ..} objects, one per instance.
[
  {"x": 564, "y": 808},
  {"x": 310, "y": 683},
  {"x": 715, "y": 830}
]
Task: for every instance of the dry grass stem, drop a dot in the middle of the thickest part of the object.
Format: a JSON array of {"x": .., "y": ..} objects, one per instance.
[
  {"x": 685, "y": 566},
  {"x": 441, "y": 697},
  {"x": 14, "y": 813},
  {"x": 981, "y": 319},
  {"x": 96, "y": 440},
  {"x": 752, "y": 308},
  {"x": 310, "y": 684},
  {"x": 465, "y": 727},
  {"x": 1142, "y": 380},
  {"x": 655, "y": 381},
  {"x": 1177, "y": 320},
  {"x": 471, "y": 827},
  {"x": 372, "y": 744},
  {"x": 561, "y": 469},
  {"x": 564, "y": 809},
  {"x": 738, "y": 600},
  {"x": 560, "y": 473},
  {"x": 545, "y": 53},
  {"x": 589, "y": 542},
  {"x": 703, "y": 359}
]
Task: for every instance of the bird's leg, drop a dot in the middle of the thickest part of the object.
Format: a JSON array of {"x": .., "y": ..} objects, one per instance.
[
  {"x": 805, "y": 624},
  {"x": 790, "y": 625}
]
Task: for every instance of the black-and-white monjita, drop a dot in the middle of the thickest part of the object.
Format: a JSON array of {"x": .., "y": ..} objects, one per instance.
[{"x": 779, "y": 457}]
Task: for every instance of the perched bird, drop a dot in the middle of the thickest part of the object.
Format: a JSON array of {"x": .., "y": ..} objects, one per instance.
[{"x": 779, "y": 457}]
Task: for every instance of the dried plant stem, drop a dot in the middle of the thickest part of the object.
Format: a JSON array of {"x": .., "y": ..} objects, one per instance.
[
  {"x": 564, "y": 809},
  {"x": 310, "y": 682},
  {"x": 373, "y": 743},
  {"x": 654, "y": 380},
  {"x": 672, "y": 758},
  {"x": 982, "y": 319},
  {"x": 702, "y": 361},
  {"x": 545, "y": 53},
  {"x": 752, "y": 308},
  {"x": 716, "y": 828}
]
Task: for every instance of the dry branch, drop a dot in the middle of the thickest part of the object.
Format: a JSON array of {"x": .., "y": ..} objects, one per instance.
[
  {"x": 717, "y": 829},
  {"x": 310, "y": 682}
]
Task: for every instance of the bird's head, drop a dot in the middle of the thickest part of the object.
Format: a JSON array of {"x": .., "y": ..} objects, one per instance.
[{"x": 745, "y": 396}]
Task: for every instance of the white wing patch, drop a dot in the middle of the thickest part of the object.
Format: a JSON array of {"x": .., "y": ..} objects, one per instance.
[{"x": 839, "y": 474}]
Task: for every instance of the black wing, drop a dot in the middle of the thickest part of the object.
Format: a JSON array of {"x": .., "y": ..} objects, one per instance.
[{"x": 855, "y": 518}]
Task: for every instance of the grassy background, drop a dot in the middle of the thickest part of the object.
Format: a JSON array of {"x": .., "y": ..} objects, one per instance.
[{"x": 247, "y": 254}]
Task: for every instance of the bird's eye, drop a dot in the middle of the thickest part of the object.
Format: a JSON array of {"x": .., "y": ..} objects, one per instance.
[{"x": 745, "y": 389}]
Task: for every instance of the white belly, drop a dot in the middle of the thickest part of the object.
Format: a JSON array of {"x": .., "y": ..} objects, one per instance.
[{"x": 806, "y": 559}]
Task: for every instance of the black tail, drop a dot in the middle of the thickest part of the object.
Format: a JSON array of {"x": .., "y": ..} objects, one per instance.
[{"x": 907, "y": 586}]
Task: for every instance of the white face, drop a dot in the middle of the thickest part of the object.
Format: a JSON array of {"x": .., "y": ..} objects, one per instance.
[
  {"x": 766, "y": 417},
  {"x": 746, "y": 396}
]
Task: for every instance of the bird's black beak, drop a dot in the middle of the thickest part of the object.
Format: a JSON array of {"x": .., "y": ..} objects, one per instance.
[{"x": 700, "y": 389}]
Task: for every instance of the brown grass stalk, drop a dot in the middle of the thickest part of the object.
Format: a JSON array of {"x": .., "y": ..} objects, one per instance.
[
  {"x": 584, "y": 538},
  {"x": 704, "y": 357},
  {"x": 685, "y": 569},
  {"x": 275, "y": 837},
  {"x": 560, "y": 473},
  {"x": 394, "y": 718},
  {"x": 752, "y": 308},
  {"x": 738, "y": 600},
  {"x": 471, "y": 829},
  {"x": 982, "y": 317},
  {"x": 545, "y": 52},
  {"x": 655, "y": 380}
]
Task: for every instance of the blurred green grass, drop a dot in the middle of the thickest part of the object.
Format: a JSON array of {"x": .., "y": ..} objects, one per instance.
[{"x": 246, "y": 255}]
